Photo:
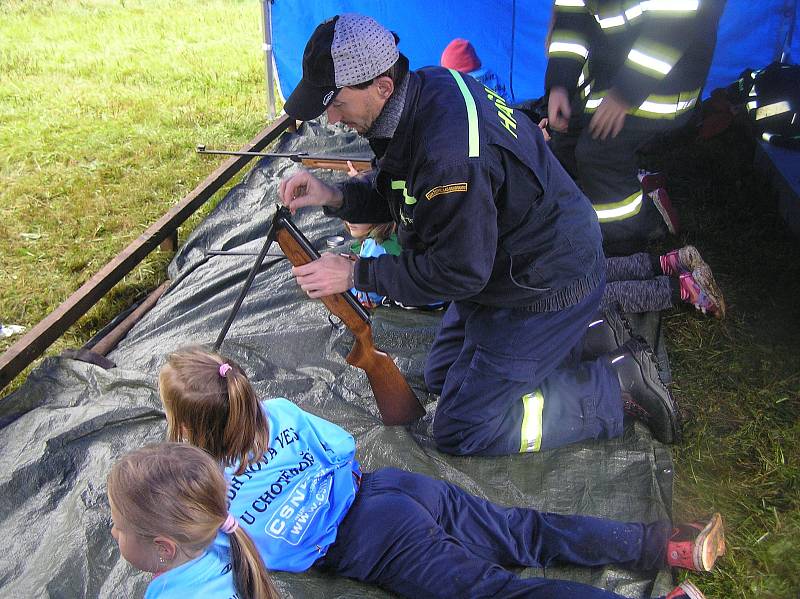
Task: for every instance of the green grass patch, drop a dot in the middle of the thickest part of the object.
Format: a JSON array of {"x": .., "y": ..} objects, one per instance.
[
  {"x": 101, "y": 105},
  {"x": 738, "y": 380}
]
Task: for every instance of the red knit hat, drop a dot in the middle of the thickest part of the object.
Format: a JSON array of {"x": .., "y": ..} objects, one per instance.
[{"x": 461, "y": 56}]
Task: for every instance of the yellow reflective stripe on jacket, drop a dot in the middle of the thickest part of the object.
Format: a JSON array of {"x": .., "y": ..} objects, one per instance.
[
  {"x": 568, "y": 44},
  {"x": 763, "y": 112},
  {"x": 472, "y": 114},
  {"x": 655, "y": 60},
  {"x": 655, "y": 106},
  {"x": 666, "y": 107},
  {"x": 610, "y": 22},
  {"x": 584, "y": 84},
  {"x": 570, "y": 6},
  {"x": 532, "y": 412},
  {"x": 634, "y": 12},
  {"x": 621, "y": 210},
  {"x": 408, "y": 199},
  {"x": 666, "y": 8},
  {"x": 670, "y": 6}
]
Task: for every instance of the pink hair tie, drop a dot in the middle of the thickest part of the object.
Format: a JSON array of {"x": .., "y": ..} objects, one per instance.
[
  {"x": 230, "y": 525},
  {"x": 224, "y": 369}
]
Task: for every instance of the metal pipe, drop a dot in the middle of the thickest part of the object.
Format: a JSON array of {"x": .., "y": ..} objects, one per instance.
[
  {"x": 266, "y": 22},
  {"x": 296, "y": 156}
]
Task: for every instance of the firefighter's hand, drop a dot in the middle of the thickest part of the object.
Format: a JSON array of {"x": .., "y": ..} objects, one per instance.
[
  {"x": 329, "y": 274},
  {"x": 610, "y": 116},
  {"x": 304, "y": 189},
  {"x": 558, "y": 109}
]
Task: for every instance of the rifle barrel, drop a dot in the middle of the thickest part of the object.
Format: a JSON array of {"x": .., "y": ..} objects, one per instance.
[{"x": 295, "y": 156}]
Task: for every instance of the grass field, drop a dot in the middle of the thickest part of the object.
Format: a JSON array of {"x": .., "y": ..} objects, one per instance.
[{"x": 102, "y": 103}]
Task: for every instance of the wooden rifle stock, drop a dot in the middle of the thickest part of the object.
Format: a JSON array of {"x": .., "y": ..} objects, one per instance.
[{"x": 395, "y": 399}]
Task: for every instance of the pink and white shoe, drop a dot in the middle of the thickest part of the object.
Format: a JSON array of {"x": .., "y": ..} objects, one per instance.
[
  {"x": 686, "y": 590},
  {"x": 682, "y": 260},
  {"x": 701, "y": 290}
]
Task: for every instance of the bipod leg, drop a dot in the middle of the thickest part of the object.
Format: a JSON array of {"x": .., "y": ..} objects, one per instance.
[{"x": 246, "y": 287}]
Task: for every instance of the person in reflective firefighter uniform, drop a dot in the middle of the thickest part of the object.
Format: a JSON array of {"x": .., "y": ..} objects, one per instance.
[
  {"x": 618, "y": 73},
  {"x": 487, "y": 220}
]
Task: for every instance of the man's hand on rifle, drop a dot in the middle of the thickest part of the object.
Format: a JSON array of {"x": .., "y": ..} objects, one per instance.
[
  {"x": 304, "y": 189},
  {"x": 329, "y": 274}
]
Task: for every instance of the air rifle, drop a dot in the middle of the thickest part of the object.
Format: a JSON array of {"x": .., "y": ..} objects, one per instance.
[
  {"x": 396, "y": 401},
  {"x": 336, "y": 163}
]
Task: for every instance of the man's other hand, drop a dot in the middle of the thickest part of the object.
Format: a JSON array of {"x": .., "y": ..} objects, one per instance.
[{"x": 609, "y": 117}]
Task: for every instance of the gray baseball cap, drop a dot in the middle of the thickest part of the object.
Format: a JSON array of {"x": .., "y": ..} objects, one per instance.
[{"x": 346, "y": 50}]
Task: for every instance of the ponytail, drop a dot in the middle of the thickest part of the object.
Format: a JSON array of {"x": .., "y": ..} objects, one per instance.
[
  {"x": 210, "y": 403},
  {"x": 178, "y": 491},
  {"x": 249, "y": 573},
  {"x": 246, "y": 433}
]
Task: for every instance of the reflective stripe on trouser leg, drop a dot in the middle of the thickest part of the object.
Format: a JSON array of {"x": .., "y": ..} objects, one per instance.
[
  {"x": 532, "y": 421},
  {"x": 623, "y": 209}
]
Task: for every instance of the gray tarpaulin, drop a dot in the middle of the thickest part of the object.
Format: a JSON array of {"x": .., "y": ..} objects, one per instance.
[{"x": 71, "y": 420}]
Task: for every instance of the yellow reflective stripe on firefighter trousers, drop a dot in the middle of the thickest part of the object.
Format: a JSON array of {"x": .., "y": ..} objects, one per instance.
[
  {"x": 621, "y": 210},
  {"x": 532, "y": 412}
]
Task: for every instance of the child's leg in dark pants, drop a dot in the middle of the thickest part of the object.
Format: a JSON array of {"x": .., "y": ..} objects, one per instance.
[
  {"x": 660, "y": 293},
  {"x": 436, "y": 540},
  {"x": 636, "y": 267}
]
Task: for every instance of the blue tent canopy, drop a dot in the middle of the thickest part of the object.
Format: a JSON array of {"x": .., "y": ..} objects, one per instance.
[{"x": 509, "y": 36}]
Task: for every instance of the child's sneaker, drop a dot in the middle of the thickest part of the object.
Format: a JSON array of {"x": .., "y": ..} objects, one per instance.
[
  {"x": 701, "y": 290},
  {"x": 696, "y": 546},
  {"x": 682, "y": 260},
  {"x": 686, "y": 590}
]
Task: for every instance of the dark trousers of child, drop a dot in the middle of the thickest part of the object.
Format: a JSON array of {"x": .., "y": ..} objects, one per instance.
[
  {"x": 636, "y": 283},
  {"x": 511, "y": 380},
  {"x": 425, "y": 538}
]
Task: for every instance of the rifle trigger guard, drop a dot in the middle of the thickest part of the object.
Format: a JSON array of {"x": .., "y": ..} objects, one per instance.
[{"x": 336, "y": 324}]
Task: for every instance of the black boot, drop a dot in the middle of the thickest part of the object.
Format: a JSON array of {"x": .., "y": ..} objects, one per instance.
[
  {"x": 608, "y": 331},
  {"x": 645, "y": 396}
]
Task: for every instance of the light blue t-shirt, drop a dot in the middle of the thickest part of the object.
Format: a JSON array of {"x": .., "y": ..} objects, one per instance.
[
  {"x": 209, "y": 575},
  {"x": 292, "y": 501},
  {"x": 369, "y": 249}
]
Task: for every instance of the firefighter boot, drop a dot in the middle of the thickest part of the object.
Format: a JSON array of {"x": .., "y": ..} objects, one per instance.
[
  {"x": 608, "y": 331},
  {"x": 644, "y": 394}
]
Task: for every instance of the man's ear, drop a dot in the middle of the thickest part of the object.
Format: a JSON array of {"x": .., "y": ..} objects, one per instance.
[
  {"x": 166, "y": 547},
  {"x": 385, "y": 86}
]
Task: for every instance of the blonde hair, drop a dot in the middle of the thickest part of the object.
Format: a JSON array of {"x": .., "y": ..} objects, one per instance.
[
  {"x": 178, "y": 491},
  {"x": 220, "y": 414},
  {"x": 380, "y": 232}
]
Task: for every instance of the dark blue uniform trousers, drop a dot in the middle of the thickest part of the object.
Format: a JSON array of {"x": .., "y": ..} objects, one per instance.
[
  {"x": 484, "y": 360},
  {"x": 422, "y": 537}
]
